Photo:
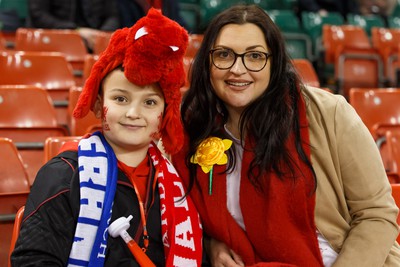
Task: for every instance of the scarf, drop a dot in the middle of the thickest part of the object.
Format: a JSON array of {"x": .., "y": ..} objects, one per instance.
[
  {"x": 279, "y": 221},
  {"x": 98, "y": 172}
]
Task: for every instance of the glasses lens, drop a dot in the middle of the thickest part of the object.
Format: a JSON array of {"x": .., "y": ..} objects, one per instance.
[
  {"x": 254, "y": 61},
  {"x": 223, "y": 58}
]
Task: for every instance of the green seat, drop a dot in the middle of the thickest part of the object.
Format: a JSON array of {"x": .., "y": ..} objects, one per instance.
[
  {"x": 191, "y": 15},
  {"x": 312, "y": 24},
  {"x": 394, "y": 22},
  {"x": 366, "y": 22},
  {"x": 21, "y": 6},
  {"x": 208, "y": 9},
  {"x": 298, "y": 42}
]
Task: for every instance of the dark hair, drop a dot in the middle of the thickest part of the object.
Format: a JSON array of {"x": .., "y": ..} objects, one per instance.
[{"x": 270, "y": 119}]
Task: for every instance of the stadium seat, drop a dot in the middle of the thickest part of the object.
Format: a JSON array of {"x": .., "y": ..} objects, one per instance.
[
  {"x": 28, "y": 117},
  {"x": 194, "y": 44},
  {"x": 14, "y": 190},
  {"x": 190, "y": 13},
  {"x": 378, "y": 108},
  {"x": 312, "y": 24},
  {"x": 90, "y": 59},
  {"x": 367, "y": 22},
  {"x": 79, "y": 127},
  {"x": 53, "y": 145},
  {"x": 356, "y": 62},
  {"x": 68, "y": 42},
  {"x": 306, "y": 72},
  {"x": 101, "y": 41},
  {"x": 298, "y": 43},
  {"x": 386, "y": 42},
  {"x": 15, "y": 231},
  {"x": 49, "y": 70},
  {"x": 392, "y": 138}
]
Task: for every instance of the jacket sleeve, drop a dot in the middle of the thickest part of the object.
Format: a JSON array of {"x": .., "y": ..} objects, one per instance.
[
  {"x": 42, "y": 17},
  {"x": 49, "y": 221},
  {"x": 373, "y": 212}
]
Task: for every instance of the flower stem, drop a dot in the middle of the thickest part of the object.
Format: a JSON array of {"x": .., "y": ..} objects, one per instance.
[{"x": 210, "y": 181}]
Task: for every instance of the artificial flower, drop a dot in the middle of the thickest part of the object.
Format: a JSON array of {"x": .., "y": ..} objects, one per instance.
[{"x": 211, "y": 151}]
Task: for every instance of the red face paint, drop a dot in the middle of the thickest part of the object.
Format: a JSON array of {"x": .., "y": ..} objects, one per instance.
[
  {"x": 106, "y": 127},
  {"x": 157, "y": 135}
]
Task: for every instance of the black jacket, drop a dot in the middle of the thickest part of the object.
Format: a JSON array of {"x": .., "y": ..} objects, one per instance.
[
  {"x": 63, "y": 14},
  {"x": 51, "y": 215}
]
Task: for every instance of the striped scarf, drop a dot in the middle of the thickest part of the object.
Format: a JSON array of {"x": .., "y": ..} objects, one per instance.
[{"x": 98, "y": 172}]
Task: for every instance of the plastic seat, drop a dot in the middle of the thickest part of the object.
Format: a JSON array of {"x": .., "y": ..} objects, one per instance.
[
  {"x": 53, "y": 145},
  {"x": 79, "y": 127},
  {"x": 68, "y": 42},
  {"x": 190, "y": 13},
  {"x": 101, "y": 41},
  {"x": 90, "y": 59},
  {"x": 386, "y": 41},
  {"x": 392, "y": 138},
  {"x": 356, "y": 62},
  {"x": 194, "y": 44},
  {"x": 378, "y": 108},
  {"x": 306, "y": 71},
  {"x": 14, "y": 190},
  {"x": 299, "y": 44},
  {"x": 367, "y": 22},
  {"x": 312, "y": 24},
  {"x": 15, "y": 231},
  {"x": 49, "y": 70},
  {"x": 27, "y": 124}
]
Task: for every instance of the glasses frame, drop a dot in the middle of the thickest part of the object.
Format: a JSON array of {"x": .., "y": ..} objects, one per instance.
[{"x": 267, "y": 56}]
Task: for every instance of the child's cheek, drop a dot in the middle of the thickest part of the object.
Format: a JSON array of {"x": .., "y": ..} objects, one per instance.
[
  {"x": 157, "y": 135},
  {"x": 106, "y": 127}
]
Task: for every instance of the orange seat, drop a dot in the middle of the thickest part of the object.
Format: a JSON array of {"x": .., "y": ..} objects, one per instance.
[
  {"x": 306, "y": 72},
  {"x": 101, "y": 41},
  {"x": 378, "y": 108},
  {"x": 386, "y": 41},
  {"x": 15, "y": 231},
  {"x": 68, "y": 42},
  {"x": 49, "y": 70},
  {"x": 53, "y": 145},
  {"x": 14, "y": 190},
  {"x": 90, "y": 59},
  {"x": 28, "y": 117},
  {"x": 356, "y": 62},
  {"x": 195, "y": 41},
  {"x": 396, "y": 196},
  {"x": 392, "y": 138},
  {"x": 79, "y": 127}
]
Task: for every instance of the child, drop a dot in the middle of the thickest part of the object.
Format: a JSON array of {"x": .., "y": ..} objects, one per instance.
[{"x": 135, "y": 89}]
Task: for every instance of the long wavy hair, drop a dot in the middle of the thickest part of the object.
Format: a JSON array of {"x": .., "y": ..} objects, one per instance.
[{"x": 269, "y": 120}]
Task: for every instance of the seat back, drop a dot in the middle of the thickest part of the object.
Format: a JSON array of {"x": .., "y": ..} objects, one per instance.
[
  {"x": 28, "y": 124},
  {"x": 367, "y": 22},
  {"x": 101, "y": 41},
  {"x": 336, "y": 38},
  {"x": 79, "y": 127},
  {"x": 14, "y": 190},
  {"x": 378, "y": 107},
  {"x": 386, "y": 41},
  {"x": 306, "y": 71},
  {"x": 53, "y": 145},
  {"x": 195, "y": 41},
  {"x": 15, "y": 231},
  {"x": 49, "y": 70}
]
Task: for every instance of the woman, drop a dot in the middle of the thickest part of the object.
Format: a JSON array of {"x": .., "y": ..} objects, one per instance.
[{"x": 303, "y": 183}]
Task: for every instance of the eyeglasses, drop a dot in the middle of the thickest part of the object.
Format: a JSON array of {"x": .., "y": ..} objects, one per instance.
[{"x": 252, "y": 60}]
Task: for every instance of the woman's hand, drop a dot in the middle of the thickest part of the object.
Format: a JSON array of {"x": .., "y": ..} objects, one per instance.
[{"x": 220, "y": 255}]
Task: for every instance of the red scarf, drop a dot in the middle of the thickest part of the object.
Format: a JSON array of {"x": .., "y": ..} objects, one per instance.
[{"x": 280, "y": 227}]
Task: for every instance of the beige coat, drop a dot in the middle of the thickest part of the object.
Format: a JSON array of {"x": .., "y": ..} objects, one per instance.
[{"x": 354, "y": 210}]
